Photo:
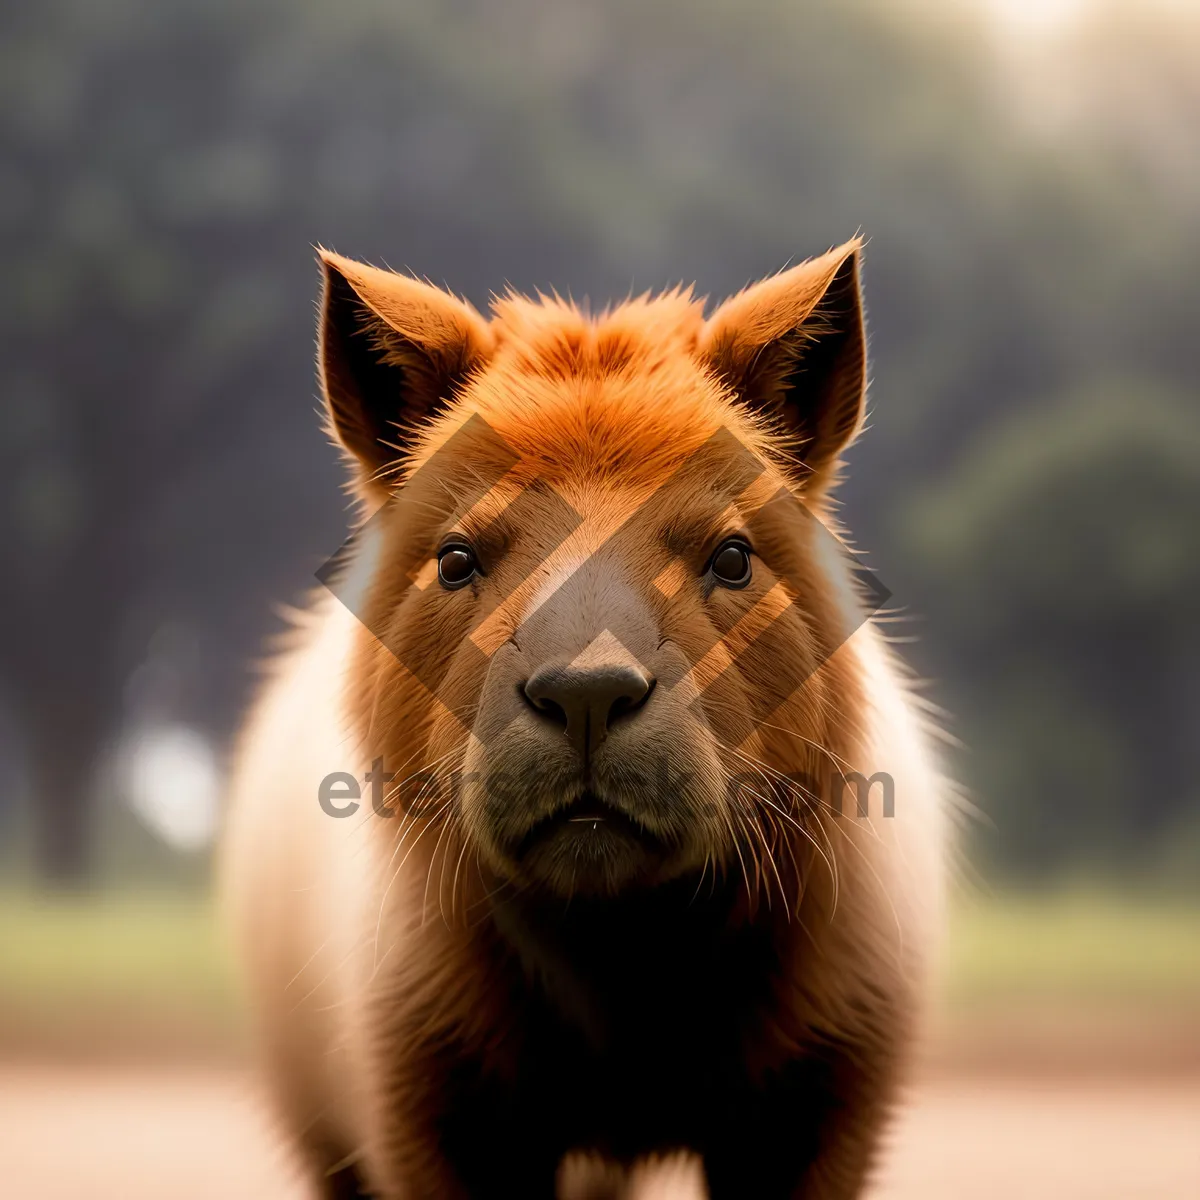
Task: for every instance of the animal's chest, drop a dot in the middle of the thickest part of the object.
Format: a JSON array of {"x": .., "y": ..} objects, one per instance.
[
  {"x": 627, "y": 1054},
  {"x": 644, "y": 1079}
]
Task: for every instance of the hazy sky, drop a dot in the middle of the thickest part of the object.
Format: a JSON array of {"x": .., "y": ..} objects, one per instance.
[{"x": 1034, "y": 18}]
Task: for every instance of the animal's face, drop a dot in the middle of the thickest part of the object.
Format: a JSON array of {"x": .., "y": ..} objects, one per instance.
[{"x": 600, "y": 627}]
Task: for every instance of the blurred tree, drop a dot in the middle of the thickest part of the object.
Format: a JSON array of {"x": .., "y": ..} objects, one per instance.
[{"x": 1062, "y": 556}]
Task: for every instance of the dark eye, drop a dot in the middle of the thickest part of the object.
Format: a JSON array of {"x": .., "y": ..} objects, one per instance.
[
  {"x": 457, "y": 566},
  {"x": 730, "y": 565}
]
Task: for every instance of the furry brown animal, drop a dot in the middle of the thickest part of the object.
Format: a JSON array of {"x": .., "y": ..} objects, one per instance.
[{"x": 608, "y": 663}]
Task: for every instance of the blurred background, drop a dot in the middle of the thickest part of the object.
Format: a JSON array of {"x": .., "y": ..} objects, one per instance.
[{"x": 1028, "y": 175}]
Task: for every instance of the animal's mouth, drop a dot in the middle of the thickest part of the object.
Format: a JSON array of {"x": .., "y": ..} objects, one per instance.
[{"x": 588, "y": 818}]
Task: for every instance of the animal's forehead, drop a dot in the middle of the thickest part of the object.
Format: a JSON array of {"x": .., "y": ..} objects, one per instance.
[
  {"x": 620, "y": 400},
  {"x": 591, "y": 439},
  {"x": 596, "y": 415},
  {"x": 555, "y": 337},
  {"x": 717, "y": 486}
]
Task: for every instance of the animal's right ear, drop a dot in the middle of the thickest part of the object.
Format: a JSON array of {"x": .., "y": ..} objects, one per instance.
[{"x": 392, "y": 352}]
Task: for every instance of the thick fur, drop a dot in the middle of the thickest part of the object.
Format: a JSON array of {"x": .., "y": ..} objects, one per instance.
[{"x": 435, "y": 1019}]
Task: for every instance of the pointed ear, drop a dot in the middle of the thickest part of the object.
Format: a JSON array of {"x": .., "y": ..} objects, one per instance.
[
  {"x": 392, "y": 351},
  {"x": 793, "y": 348}
]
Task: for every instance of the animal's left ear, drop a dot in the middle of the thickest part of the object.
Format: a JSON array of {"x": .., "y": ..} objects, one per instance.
[{"x": 793, "y": 348}]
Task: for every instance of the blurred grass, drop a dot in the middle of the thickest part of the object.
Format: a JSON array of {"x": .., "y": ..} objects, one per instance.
[
  {"x": 125, "y": 967},
  {"x": 114, "y": 969},
  {"x": 1085, "y": 945},
  {"x": 154, "y": 944}
]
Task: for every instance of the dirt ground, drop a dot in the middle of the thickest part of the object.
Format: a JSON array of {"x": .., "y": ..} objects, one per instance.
[{"x": 108, "y": 1134}]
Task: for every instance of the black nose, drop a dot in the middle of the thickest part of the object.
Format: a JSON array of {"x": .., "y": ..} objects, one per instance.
[{"x": 587, "y": 700}]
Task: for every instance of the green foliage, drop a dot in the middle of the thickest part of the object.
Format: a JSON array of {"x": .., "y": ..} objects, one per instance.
[{"x": 1062, "y": 549}]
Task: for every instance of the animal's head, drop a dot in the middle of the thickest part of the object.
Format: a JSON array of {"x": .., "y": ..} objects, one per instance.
[{"x": 601, "y": 623}]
